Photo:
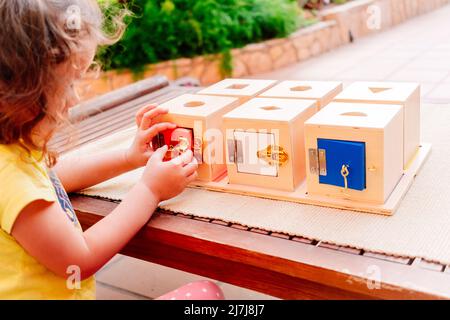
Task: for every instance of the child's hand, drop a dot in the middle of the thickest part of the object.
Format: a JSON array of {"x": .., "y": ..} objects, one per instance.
[
  {"x": 140, "y": 151},
  {"x": 167, "y": 179}
]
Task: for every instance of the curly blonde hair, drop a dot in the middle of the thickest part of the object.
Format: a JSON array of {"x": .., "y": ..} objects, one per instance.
[{"x": 36, "y": 37}]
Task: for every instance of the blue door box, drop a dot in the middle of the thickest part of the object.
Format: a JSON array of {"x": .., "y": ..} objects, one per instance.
[{"x": 339, "y": 153}]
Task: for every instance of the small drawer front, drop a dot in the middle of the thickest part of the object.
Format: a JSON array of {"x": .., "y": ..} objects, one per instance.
[{"x": 334, "y": 154}]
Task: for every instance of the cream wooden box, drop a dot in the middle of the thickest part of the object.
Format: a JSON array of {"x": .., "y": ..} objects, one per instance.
[
  {"x": 323, "y": 92},
  {"x": 203, "y": 114},
  {"x": 367, "y": 140},
  {"x": 265, "y": 142},
  {"x": 397, "y": 93},
  {"x": 244, "y": 89}
]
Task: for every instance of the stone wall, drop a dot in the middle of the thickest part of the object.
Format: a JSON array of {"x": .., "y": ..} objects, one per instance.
[
  {"x": 340, "y": 25},
  {"x": 360, "y": 18}
]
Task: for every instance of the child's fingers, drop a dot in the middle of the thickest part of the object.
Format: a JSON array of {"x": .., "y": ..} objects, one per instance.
[
  {"x": 190, "y": 168},
  {"x": 183, "y": 158},
  {"x": 190, "y": 159},
  {"x": 159, "y": 154},
  {"x": 157, "y": 128},
  {"x": 142, "y": 111},
  {"x": 149, "y": 116},
  {"x": 192, "y": 177}
]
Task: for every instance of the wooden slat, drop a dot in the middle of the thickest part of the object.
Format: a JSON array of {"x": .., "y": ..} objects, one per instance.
[
  {"x": 202, "y": 219},
  {"x": 106, "y": 123},
  {"x": 220, "y": 222},
  {"x": 428, "y": 265},
  {"x": 401, "y": 260},
  {"x": 328, "y": 245},
  {"x": 88, "y": 126},
  {"x": 117, "y": 97},
  {"x": 239, "y": 227},
  {"x": 125, "y": 108},
  {"x": 350, "y": 250},
  {"x": 342, "y": 249},
  {"x": 279, "y": 235},
  {"x": 283, "y": 268},
  {"x": 259, "y": 231},
  {"x": 302, "y": 240}
]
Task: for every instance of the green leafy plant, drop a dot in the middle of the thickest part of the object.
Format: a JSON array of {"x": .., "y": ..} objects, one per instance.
[
  {"x": 318, "y": 4},
  {"x": 169, "y": 29}
]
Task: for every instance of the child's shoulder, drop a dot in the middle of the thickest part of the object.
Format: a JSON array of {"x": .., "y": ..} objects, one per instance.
[
  {"x": 7, "y": 151},
  {"x": 9, "y": 156},
  {"x": 22, "y": 182},
  {"x": 19, "y": 166}
]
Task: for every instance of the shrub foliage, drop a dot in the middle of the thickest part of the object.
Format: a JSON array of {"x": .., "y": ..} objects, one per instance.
[{"x": 161, "y": 30}]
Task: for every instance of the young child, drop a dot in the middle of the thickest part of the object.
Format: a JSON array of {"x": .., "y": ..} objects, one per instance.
[{"x": 45, "y": 47}]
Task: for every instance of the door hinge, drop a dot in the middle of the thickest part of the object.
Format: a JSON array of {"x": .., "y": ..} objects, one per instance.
[
  {"x": 235, "y": 153},
  {"x": 317, "y": 161}
]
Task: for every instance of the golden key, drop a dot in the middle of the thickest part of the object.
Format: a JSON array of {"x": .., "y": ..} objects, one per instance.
[
  {"x": 344, "y": 174},
  {"x": 181, "y": 147}
]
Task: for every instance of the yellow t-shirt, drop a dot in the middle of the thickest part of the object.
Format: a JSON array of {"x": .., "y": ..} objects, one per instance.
[{"x": 24, "y": 178}]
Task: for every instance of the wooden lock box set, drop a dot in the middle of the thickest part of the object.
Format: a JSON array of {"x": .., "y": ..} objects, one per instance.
[{"x": 309, "y": 142}]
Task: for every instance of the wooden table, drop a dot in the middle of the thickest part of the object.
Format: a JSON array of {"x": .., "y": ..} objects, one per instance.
[{"x": 276, "y": 264}]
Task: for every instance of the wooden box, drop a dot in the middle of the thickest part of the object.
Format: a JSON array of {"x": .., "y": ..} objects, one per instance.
[
  {"x": 404, "y": 94},
  {"x": 203, "y": 115},
  {"x": 244, "y": 89},
  {"x": 364, "y": 139},
  {"x": 265, "y": 142},
  {"x": 322, "y": 92}
]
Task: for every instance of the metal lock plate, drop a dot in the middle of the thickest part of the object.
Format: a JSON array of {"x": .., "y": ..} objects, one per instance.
[
  {"x": 313, "y": 161},
  {"x": 322, "y": 162}
]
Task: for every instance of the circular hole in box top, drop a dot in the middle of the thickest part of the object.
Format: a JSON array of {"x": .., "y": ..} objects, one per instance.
[
  {"x": 194, "y": 104},
  {"x": 270, "y": 108},
  {"x": 301, "y": 88},
  {"x": 237, "y": 86},
  {"x": 378, "y": 90},
  {"x": 354, "y": 114}
]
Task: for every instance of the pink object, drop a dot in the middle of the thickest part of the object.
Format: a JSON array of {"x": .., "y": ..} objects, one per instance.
[{"x": 199, "y": 290}]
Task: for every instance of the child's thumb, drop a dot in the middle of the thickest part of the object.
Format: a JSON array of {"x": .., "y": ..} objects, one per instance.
[{"x": 159, "y": 153}]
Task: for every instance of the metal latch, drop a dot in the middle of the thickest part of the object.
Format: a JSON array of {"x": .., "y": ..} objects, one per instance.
[
  {"x": 317, "y": 161},
  {"x": 235, "y": 152},
  {"x": 198, "y": 154},
  {"x": 273, "y": 155}
]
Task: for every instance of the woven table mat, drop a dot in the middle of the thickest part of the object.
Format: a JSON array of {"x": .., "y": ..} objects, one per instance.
[{"x": 419, "y": 228}]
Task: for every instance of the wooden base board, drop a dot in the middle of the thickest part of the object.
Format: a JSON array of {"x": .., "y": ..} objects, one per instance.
[{"x": 301, "y": 196}]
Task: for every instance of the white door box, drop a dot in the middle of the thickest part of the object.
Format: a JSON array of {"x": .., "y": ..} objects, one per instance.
[
  {"x": 265, "y": 142},
  {"x": 250, "y": 163},
  {"x": 354, "y": 151},
  {"x": 322, "y": 92},
  {"x": 398, "y": 93}
]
